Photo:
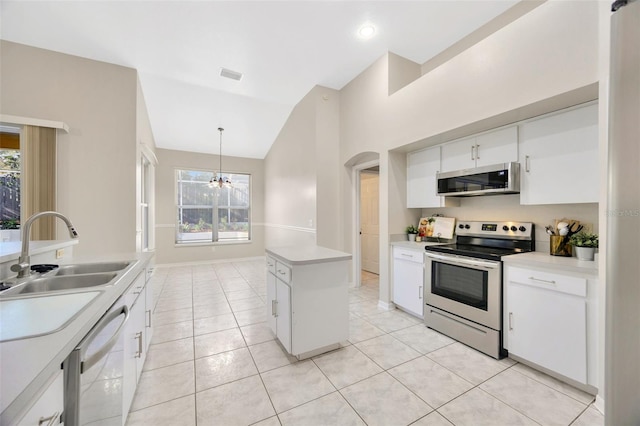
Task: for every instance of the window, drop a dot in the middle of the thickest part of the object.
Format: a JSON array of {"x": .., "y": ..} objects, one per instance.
[
  {"x": 9, "y": 179},
  {"x": 212, "y": 214}
]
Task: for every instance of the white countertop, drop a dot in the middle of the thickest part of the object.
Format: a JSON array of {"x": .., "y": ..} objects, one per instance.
[
  {"x": 415, "y": 246},
  {"x": 559, "y": 263},
  {"x": 27, "y": 364},
  {"x": 10, "y": 250},
  {"x": 23, "y": 317},
  {"x": 306, "y": 255}
]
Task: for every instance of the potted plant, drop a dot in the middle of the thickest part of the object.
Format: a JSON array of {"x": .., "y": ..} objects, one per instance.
[
  {"x": 412, "y": 231},
  {"x": 585, "y": 244}
]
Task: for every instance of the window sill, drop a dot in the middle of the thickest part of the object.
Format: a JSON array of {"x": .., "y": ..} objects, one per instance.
[{"x": 211, "y": 243}]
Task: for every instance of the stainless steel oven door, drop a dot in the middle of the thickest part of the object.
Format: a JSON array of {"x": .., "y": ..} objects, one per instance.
[{"x": 466, "y": 287}]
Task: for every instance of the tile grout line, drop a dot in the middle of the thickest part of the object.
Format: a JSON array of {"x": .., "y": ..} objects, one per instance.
[
  {"x": 264, "y": 386},
  {"x": 362, "y": 317}
]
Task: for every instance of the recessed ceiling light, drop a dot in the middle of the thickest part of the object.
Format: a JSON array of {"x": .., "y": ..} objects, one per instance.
[
  {"x": 366, "y": 31},
  {"x": 234, "y": 75}
]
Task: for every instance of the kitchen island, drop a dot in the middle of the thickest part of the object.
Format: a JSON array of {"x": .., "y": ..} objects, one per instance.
[{"x": 308, "y": 298}]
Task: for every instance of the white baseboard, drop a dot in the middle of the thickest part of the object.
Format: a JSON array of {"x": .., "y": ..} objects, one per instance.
[
  {"x": 599, "y": 404},
  {"x": 387, "y": 306},
  {"x": 211, "y": 261}
]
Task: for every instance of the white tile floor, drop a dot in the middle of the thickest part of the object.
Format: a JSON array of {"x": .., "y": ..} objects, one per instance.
[{"x": 213, "y": 361}]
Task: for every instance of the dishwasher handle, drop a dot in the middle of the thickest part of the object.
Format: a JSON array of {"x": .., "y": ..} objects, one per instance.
[{"x": 86, "y": 364}]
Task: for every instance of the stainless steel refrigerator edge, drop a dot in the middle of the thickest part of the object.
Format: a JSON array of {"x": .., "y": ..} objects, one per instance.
[{"x": 622, "y": 341}]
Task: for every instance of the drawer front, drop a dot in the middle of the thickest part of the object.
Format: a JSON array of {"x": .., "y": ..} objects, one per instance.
[
  {"x": 549, "y": 280},
  {"x": 283, "y": 272},
  {"x": 271, "y": 265},
  {"x": 407, "y": 254}
]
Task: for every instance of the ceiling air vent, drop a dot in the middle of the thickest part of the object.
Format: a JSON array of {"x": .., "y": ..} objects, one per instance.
[{"x": 233, "y": 75}]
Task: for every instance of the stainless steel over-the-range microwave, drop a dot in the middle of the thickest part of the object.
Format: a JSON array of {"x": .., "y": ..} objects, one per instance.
[{"x": 503, "y": 178}]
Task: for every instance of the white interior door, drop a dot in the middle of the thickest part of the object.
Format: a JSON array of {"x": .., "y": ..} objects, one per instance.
[{"x": 369, "y": 222}]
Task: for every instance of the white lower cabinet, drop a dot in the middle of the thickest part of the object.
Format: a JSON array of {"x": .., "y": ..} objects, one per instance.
[
  {"x": 148, "y": 311},
  {"x": 408, "y": 280},
  {"x": 549, "y": 321},
  {"x": 137, "y": 338},
  {"x": 46, "y": 410},
  {"x": 279, "y": 310},
  {"x": 308, "y": 305}
]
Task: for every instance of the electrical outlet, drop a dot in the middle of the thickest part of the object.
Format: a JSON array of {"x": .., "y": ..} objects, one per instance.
[{"x": 59, "y": 253}]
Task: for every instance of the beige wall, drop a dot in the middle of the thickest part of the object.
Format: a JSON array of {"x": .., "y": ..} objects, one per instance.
[
  {"x": 300, "y": 209},
  {"x": 97, "y": 158},
  {"x": 548, "y": 52},
  {"x": 507, "y": 207},
  {"x": 166, "y": 250}
]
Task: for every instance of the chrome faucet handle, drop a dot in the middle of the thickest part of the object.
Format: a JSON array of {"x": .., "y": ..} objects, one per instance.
[{"x": 22, "y": 268}]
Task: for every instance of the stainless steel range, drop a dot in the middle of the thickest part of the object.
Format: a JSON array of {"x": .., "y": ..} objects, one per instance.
[{"x": 463, "y": 282}]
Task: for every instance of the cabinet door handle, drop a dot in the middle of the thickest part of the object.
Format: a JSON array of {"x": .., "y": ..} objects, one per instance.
[
  {"x": 139, "y": 337},
  {"x": 149, "y": 313},
  {"x": 527, "y": 164},
  {"x": 420, "y": 292},
  {"x": 274, "y": 308},
  {"x": 49, "y": 420},
  {"x": 477, "y": 152},
  {"x": 542, "y": 281},
  {"x": 472, "y": 148},
  {"x": 510, "y": 320}
]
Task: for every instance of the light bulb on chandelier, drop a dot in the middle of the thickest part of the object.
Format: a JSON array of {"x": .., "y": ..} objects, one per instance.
[{"x": 218, "y": 180}]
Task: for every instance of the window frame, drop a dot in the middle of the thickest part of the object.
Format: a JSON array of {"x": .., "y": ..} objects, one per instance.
[{"x": 215, "y": 240}]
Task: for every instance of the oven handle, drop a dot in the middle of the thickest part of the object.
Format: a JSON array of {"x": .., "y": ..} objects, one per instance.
[{"x": 463, "y": 261}]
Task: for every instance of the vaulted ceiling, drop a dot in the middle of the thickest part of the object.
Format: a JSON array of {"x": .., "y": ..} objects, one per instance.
[{"x": 282, "y": 48}]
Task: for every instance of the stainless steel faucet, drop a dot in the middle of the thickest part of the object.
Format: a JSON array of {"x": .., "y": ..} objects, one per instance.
[{"x": 23, "y": 265}]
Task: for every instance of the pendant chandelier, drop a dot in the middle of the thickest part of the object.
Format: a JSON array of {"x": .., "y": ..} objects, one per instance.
[{"x": 218, "y": 180}]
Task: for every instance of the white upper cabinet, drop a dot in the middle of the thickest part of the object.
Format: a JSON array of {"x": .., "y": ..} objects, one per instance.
[
  {"x": 559, "y": 158},
  {"x": 422, "y": 167},
  {"x": 498, "y": 146}
]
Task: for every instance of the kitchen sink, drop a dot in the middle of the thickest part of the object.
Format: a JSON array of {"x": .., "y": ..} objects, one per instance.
[
  {"x": 60, "y": 283},
  {"x": 91, "y": 268}
]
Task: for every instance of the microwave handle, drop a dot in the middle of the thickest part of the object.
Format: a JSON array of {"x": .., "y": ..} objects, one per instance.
[{"x": 457, "y": 260}]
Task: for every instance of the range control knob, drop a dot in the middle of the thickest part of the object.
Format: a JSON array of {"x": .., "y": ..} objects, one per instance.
[
  {"x": 461, "y": 226},
  {"x": 466, "y": 226},
  {"x": 505, "y": 228},
  {"x": 522, "y": 229},
  {"x": 514, "y": 229}
]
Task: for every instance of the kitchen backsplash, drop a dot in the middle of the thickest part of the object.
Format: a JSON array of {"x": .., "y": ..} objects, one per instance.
[{"x": 508, "y": 207}]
